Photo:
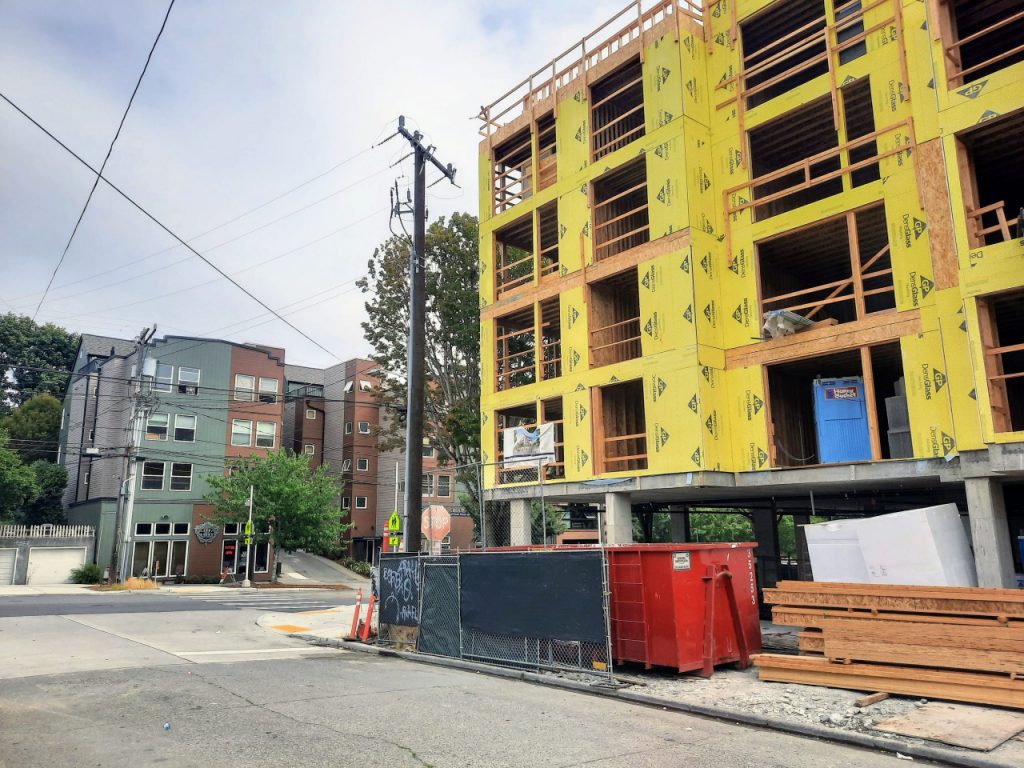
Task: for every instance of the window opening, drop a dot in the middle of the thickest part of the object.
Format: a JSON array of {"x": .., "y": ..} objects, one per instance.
[
  {"x": 346, "y": 465},
  {"x": 241, "y": 432},
  {"x": 156, "y": 426},
  {"x": 551, "y": 413},
  {"x": 164, "y": 377},
  {"x": 364, "y": 427},
  {"x": 620, "y": 210},
  {"x": 512, "y": 168},
  {"x": 621, "y": 442},
  {"x": 153, "y": 475},
  {"x": 268, "y": 390},
  {"x": 162, "y": 529},
  {"x": 980, "y": 37},
  {"x": 617, "y": 111},
  {"x": 444, "y": 486},
  {"x": 181, "y": 477},
  {"x": 245, "y": 386},
  {"x": 547, "y": 228},
  {"x": 266, "y": 434},
  {"x": 361, "y": 502},
  {"x": 510, "y": 418},
  {"x": 513, "y": 252},
  {"x": 551, "y": 339},
  {"x": 615, "y": 319},
  {"x": 836, "y": 271},
  {"x": 363, "y": 465},
  {"x": 188, "y": 381},
  {"x": 992, "y": 159},
  {"x": 311, "y": 414},
  {"x": 184, "y": 428},
  {"x": 516, "y": 350},
  {"x": 309, "y": 449},
  {"x": 1001, "y": 319},
  {"x": 547, "y": 160}
]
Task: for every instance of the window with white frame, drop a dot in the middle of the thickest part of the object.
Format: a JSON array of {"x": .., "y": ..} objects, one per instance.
[
  {"x": 181, "y": 476},
  {"x": 309, "y": 449},
  {"x": 348, "y": 386},
  {"x": 364, "y": 427},
  {"x": 363, "y": 465},
  {"x": 181, "y": 529},
  {"x": 428, "y": 485},
  {"x": 428, "y": 451},
  {"x": 361, "y": 502},
  {"x": 268, "y": 390},
  {"x": 156, "y": 426},
  {"x": 231, "y": 529},
  {"x": 241, "y": 432},
  {"x": 266, "y": 434},
  {"x": 444, "y": 485},
  {"x": 311, "y": 414},
  {"x": 164, "y": 377},
  {"x": 348, "y": 427},
  {"x": 346, "y": 503},
  {"x": 143, "y": 529},
  {"x": 346, "y": 465},
  {"x": 188, "y": 381},
  {"x": 85, "y": 481},
  {"x": 261, "y": 557},
  {"x": 162, "y": 529},
  {"x": 184, "y": 428},
  {"x": 365, "y": 386},
  {"x": 152, "y": 475},
  {"x": 401, "y": 486},
  {"x": 245, "y": 386}
]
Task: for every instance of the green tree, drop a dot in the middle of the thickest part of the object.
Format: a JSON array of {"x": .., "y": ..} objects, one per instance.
[
  {"x": 26, "y": 345},
  {"x": 18, "y": 484},
  {"x": 47, "y": 507},
  {"x": 299, "y": 504},
  {"x": 720, "y": 526},
  {"x": 452, "y": 397},
  {"x": 34, "y": 428}
]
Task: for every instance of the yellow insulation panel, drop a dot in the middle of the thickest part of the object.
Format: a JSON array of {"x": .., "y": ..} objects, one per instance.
[
  {"x": 669, "y": 424},
  {"x": 572, "y": 130},
  {"x": 575, "y": 337},
  {"x": 663, "y": 82},
  {"x": 956, "y": 350},
  {"x": 577, "y": 427},
  {"x": 667, "y": 194},
  {"x": 664, "y": 292},
  {"x": 713, "y": 401},
  {"x": 909, "y": 245},
  {"x": 747, "y": 415}
]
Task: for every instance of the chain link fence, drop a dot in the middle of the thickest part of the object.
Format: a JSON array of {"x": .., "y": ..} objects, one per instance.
[{"x": 421, "y": 600}]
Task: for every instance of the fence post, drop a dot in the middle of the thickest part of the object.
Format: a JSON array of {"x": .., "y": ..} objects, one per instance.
[
  {"x": 543, "y": 506},
  {"x": 482, "y": 505}
]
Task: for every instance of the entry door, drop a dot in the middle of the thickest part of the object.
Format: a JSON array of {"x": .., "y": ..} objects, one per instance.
[
  {"x": 158, "y": 560},
  {"x": 140, "y": 558},
  {"x": 8, "y": 557}
]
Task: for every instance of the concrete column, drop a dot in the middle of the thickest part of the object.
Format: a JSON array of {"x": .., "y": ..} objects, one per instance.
[
  {"x": 680, "y": 527},
  {"x": 618, "y": 518},
  {"x": 990, "y": 532},
  {"x": 521, "y": 522}
]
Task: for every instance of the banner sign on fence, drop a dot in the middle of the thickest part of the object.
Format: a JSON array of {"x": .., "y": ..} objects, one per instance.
[
  {"x": 399, "y": 590},
  {"x": 555, "y": 595}
]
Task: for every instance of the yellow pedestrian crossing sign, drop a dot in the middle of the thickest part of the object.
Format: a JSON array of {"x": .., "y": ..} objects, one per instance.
[{"x": 394, "y": 523}]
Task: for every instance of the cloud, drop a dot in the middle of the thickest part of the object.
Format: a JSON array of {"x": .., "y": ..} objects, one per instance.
[{"x": 241, "y": 102}]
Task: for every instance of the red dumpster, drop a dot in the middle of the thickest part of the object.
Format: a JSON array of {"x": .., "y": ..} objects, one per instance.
[{"x": 688, "y": 606}]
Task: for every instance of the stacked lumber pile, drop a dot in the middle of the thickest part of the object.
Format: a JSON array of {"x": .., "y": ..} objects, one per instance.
[{"x": 955, "y": 643}]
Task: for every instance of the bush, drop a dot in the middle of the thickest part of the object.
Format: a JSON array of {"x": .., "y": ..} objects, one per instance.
[
  {"x": 202, "y": 580},
  {"x": 88, "y": 573},
  {"x": 357, "y": 566}
]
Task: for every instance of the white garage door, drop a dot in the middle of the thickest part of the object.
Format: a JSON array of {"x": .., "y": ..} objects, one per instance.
[
  {"x": 53, "y": 565},
  {"x": 8, "y": 557}
]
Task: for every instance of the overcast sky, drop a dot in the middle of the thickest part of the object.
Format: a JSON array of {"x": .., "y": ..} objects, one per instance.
[{"x": 242, "y": 102}]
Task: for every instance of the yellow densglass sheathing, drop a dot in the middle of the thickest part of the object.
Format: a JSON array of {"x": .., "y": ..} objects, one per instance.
[
  {"x": 670, "y": 427},
  {"x": 572, "y": 130},
  {"x": 577, "y": 427},
  {"x": 575, "y": 244},
  {"x": 713, "y": 407},
  {"x": 485, "y": 182},
  {"x": 908, "y": 241},
  {"x": 575, "y": 335},
  {"x": 663, "y": 82},
  {"x": 664, "y": 292},
  {"x": 746, "y": 414},
  {"x": 931, "y": 418},
  {"x": 704, "y": 268},
  {"x": 956, "y": 349},
  {"x": 667, "y": 195}
]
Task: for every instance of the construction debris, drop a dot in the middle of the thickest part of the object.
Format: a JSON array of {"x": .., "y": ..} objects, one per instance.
[{"x": 955, "y": 643}]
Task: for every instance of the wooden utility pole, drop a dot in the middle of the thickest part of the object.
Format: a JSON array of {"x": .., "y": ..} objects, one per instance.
[{"x": 417, "y": 335}]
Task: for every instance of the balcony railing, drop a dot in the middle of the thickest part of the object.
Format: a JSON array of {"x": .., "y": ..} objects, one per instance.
[
  {"x": 625, "y": 452},
  {"x": 959, "y": 75},
  {"x": 578, "y": 58},
  {"x": 976, "y": 224}
]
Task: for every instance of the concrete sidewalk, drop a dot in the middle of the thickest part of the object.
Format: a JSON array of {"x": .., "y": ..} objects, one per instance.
[
  {"x": 304, "y": 568},
  {"x": 329, "y": 624},
  {"x": 25, "y": 590}
]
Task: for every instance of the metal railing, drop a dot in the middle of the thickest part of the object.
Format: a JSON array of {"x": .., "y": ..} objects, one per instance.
[{"x": 46, "y": 531}]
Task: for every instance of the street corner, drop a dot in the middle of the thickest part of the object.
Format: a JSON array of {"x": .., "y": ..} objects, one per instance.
[{"x": 328, "y": 623}]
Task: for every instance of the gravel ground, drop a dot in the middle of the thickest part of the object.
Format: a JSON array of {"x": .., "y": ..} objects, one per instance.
[{"x": 743, "y": 692}]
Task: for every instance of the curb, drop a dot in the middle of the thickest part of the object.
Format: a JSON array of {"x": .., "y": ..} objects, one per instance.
[{"x": 853, "y": 738}]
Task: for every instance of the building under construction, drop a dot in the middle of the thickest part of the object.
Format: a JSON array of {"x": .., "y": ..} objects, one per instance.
[{"x": 767, "y": 256}]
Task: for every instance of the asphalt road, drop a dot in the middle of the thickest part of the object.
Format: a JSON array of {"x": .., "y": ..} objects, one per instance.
[
  {"x": 342, "y": 709},
  {"x": 170, "y": 600}
]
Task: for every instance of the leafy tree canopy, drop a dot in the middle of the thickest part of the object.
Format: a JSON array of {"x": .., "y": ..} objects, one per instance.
[
  {"x": 298, "y": 503},
  {"x": 34, "y": 428},
  {"x": 47, "y": 507},
  {"x": 25, "y": 344},
  {"x": 18, "y": 484},
  {"x": 452, "y": 397}
]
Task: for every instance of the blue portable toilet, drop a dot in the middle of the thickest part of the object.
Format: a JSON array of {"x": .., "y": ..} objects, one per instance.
[{"x": 841, "y": 420}]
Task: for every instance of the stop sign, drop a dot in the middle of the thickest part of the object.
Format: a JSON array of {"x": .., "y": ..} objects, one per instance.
[{"x": 437, "y": 523}]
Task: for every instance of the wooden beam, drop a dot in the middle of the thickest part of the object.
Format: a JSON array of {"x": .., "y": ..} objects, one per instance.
[
  {"x": 971, "y": 687},
  {"x": 868, "y": 372},
  {"x": 867, "y": 701}
]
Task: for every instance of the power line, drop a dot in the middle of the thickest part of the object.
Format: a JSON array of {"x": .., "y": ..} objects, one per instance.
[
  {"x": 167, "y": 229},
  {"x": 110, "y": 149}
]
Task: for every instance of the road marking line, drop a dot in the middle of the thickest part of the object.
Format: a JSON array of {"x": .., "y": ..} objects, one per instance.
[
  {"x": 248, "y": 650},
  {"x": 293, "y": 575}
]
